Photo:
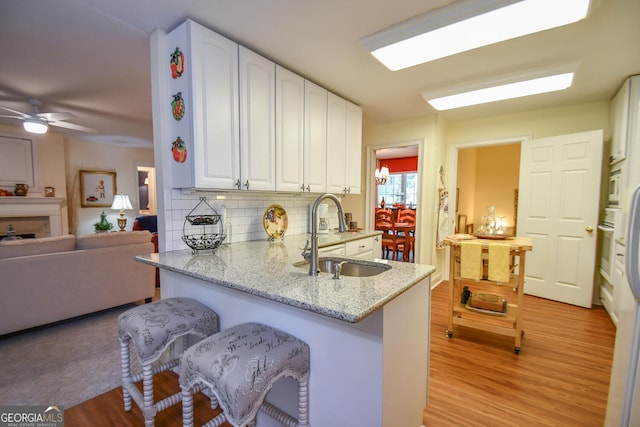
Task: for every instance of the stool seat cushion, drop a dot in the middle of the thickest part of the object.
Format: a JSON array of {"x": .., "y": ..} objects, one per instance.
[
  {"x": 242, "y": 363},
  {"x": 152, "y": 327}
]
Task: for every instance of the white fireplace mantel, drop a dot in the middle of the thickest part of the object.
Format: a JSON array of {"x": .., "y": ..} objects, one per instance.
[{"x": 51, "y": 207}]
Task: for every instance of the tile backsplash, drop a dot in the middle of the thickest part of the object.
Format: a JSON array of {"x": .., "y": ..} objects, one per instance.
[{"x": 241, "y": 214}]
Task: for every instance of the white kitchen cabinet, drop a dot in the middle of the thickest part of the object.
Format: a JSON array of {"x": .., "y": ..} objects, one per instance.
[
  {"x": 210, "y": 129},
  {"x": 354, "y": 149},
  {"x": 290, "y": 99},
  {"x": 368, "y": 248},
  {"x": 315, "y": 138},
  {"x": 336, "y": 144},
  {"x": 344, "y": 144},
  {"x": 620, "y": 123},
  {"x": 248, "y": 124},
  {"x": 257, "y": 121},
  {"x": 333, "y": 250},
  {"x": 619, "y": 282}
]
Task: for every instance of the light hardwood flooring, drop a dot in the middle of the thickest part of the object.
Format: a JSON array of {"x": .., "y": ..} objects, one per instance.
[{"x": 560, "y": 377}]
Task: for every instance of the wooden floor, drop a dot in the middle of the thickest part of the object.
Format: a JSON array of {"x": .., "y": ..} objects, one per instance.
[{"x": 560, "y": 377}]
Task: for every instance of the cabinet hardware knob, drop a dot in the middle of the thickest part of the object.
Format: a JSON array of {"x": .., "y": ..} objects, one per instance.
[
  {"x": 302, "y": 187},
  {"x": 246, "y": 184},
  {"x": 238, "y": 184},
  {"x": 589, "y": 229},
  {"x": 308, "y": 188}
]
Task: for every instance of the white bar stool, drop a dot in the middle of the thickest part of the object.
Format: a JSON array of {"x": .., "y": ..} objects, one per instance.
[
  {"x": 239, "y": 365},
  {"x": 152, "y": 328}
]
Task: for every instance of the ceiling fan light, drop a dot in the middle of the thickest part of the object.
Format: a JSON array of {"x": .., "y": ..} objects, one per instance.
[{"x": 35, "y": 126}]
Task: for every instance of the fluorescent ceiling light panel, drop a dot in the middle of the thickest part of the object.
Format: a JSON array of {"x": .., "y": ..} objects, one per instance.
[
  {"x": 468, "y": 24},
  {"x": 502, "y": 92}
]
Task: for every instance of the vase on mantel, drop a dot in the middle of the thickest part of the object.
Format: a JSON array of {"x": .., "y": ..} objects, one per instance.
[{"x": 21, "y": 189}]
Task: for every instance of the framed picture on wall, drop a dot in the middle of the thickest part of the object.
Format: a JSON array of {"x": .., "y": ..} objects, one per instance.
[{"x": 97, "y": 189}]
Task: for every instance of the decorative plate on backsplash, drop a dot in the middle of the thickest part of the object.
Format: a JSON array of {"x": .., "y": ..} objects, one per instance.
[{"x": 275, "y": 221}]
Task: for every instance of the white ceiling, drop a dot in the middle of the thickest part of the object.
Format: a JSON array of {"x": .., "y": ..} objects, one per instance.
[{"x": 91, "y": 57}]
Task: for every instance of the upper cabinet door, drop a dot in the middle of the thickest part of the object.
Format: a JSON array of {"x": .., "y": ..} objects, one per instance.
[
  {"x": 620, "y": 123},
  {"x": 315, "y": 138},
  {"x": 216, "y": 124},
  {"x": 257, "y": 118},
  {"x": 289, "y": 131},
  {"x": 336, "y": 144},
  {"x": 354, "y": 149}
]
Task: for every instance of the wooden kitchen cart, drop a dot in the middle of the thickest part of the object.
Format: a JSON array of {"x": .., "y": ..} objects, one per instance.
[{"x": 509, "y": 323}]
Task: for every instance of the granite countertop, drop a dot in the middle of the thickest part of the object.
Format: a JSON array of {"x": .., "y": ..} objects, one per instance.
[{"x": 267, "y": 269}]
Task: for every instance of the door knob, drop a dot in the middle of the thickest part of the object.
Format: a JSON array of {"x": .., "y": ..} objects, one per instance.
[{"x": 589, "y": 229}]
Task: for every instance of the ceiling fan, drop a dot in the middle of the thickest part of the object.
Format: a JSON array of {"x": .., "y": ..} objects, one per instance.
[{"x": 37, "y": 122}]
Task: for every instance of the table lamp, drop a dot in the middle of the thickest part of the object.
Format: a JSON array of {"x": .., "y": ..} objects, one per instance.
[{"x": 121, "y": 202}]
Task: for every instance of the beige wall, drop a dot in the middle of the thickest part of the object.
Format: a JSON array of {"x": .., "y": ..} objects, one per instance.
[
  {"x": 83, "y": 155},
  {"x": 536, "y": 124},
  {"x": 488, "y": 176},
  {"x": 430, "y": 131},
  {"x": 467, "y": 160},
  {"x": 61, "y": 159},
  {"x": 438, "y": 135},
  {"x": 51, "y": 160}
]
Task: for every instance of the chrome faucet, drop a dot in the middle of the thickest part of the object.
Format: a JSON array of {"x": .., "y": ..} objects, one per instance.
[{"x": 313, "y": 261}]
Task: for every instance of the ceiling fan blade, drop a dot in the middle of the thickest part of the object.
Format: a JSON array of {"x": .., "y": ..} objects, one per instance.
[
  {"x": 56, "y": 116},
  {"x": 73, "y": 126},
  {"x": 11, "y": 117},
  {"x": 21, "y": 114}
]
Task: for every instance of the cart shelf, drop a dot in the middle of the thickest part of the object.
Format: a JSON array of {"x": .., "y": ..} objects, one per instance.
[{"x": 509, "y": 323}]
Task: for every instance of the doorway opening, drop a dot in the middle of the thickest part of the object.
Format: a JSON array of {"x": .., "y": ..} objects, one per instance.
[
  {"x": 395, "y": 187},
  {"x": 487, "y": 176},
  {"x": 147, "y": 190}
]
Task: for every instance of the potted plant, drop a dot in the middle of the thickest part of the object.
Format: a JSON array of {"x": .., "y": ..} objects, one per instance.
[{"x": 103, "y": 225}]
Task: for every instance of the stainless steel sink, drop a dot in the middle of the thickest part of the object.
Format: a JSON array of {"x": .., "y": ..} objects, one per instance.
[{"x": 347, "y": 267}]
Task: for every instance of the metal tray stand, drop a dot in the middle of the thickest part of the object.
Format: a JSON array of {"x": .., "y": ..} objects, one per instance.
[{"x": 205, "y": 216}]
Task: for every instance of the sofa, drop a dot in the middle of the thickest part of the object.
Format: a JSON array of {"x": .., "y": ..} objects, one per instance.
[{"x": 56, "y": 278}]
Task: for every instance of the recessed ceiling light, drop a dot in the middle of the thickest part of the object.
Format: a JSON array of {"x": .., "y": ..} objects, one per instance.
[
  {"x": 468, "y": 24},
  {"x": 501, "y": 92}
]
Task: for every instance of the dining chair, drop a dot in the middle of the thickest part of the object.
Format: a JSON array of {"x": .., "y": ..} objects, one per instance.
[
  {"x": 408, "y": 216},
  {"x": 391, "y": 239}
]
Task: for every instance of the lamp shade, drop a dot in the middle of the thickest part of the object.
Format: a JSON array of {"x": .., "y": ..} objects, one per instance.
[{"x": 121, "y": 202}]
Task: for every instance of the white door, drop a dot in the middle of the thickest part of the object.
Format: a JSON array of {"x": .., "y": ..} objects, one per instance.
[{"x": 558, "y": 208}]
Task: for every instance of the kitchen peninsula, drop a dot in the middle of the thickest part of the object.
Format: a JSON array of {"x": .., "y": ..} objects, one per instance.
[{"x": 369, "y": 336}]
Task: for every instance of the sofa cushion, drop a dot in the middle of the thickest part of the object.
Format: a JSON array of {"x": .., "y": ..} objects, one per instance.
[
  {"x": 118, "y": 238},
  {"x": 45, "y": 245}
]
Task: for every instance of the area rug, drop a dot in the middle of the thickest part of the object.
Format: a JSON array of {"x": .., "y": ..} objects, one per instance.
[{"x": 62, "y": 364}]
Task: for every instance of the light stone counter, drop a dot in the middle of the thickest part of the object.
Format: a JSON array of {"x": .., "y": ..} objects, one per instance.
[
  {"x": 267, "y": 269},
  {"x": 369, "y": 337}
]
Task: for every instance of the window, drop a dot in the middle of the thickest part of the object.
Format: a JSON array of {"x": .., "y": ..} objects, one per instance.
[{"x": 400, "y": 188}]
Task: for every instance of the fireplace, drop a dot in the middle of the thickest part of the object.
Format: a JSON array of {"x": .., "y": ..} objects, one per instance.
[{"x": 40, "y": 216}]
